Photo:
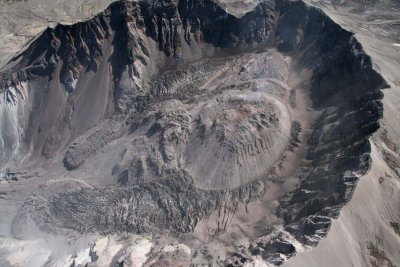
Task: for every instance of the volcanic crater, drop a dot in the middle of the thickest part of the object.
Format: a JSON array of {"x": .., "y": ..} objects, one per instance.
[{"x": 176, "y": 118}]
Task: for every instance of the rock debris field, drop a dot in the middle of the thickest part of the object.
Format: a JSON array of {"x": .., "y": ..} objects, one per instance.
[{"x": 171, "y": 133}]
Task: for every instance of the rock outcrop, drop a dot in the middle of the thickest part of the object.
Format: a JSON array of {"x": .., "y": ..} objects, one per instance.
[
  {"x": 350, "y": 110},
  {"x": 190, "y": 110}
]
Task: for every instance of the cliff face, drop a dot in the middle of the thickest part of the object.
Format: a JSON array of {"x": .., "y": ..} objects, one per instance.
[
  {"x": 119, "y": 49},
  {"x": 158, "y": 78},
  {"x": 350, "y": 108}
]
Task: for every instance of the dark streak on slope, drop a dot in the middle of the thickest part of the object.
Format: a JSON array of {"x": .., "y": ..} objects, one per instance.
[{"x": 344, "y": 89}]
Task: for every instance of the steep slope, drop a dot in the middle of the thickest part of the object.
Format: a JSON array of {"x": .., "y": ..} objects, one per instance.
[
  {"x": 365, "y": 233},
  {"x": 167, "y": 120},
  {"x": 22, "y": 21}
]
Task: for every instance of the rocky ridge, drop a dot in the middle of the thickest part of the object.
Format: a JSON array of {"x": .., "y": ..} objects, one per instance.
[{"x": 142, "y": 42}]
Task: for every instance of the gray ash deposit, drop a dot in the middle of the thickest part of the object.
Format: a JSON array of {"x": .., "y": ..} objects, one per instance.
[{"x": 240, "y": 138}]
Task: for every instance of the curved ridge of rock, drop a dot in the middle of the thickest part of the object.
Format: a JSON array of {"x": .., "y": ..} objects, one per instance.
[{"x": 203, "y": 120}]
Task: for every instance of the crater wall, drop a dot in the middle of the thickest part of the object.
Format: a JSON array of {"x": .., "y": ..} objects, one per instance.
[{"x": 137, "y": 76}]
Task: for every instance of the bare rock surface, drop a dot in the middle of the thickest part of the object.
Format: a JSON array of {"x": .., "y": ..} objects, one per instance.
[
  {"x": 173, "y": 132},
  {"x": 363, "y": 234}
]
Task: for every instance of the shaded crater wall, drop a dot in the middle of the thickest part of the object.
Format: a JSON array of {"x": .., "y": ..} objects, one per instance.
[{"x": 345, "y": 91}]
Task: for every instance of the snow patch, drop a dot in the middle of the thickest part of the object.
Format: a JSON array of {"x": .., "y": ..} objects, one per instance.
[
  {"x": 105, "y": 249},
  {"x": 12, "y": 108},
  {"x": 25, "y": 253},
  {"x": 180, "y": 247},
  {"x": 70, "y": 86},
  {"x": 139, "y": 252}
]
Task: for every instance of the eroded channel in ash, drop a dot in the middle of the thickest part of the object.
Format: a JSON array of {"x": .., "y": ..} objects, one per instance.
[{"x": 177, "y": 119}]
